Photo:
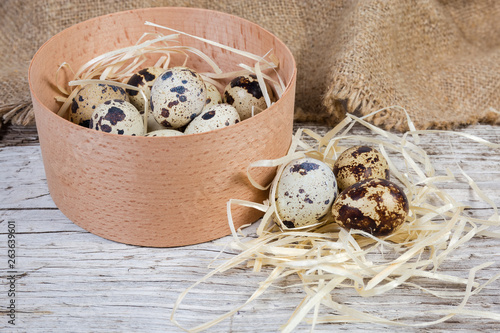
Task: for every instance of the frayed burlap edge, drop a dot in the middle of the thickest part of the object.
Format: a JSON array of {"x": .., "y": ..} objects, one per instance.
[
  {"x": 346, "y": 95},
  {"x": 21, "y": 114}
]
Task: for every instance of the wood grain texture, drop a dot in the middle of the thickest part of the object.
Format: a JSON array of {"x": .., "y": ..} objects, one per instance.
[
  {"x": 16, "y": 135},
  {"x": 70, "y": 280}
]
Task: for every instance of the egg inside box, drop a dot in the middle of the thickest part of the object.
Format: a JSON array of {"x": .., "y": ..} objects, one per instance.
[
  {"x": 159, "y": 191},
  {"x": 176, "y": 98}
]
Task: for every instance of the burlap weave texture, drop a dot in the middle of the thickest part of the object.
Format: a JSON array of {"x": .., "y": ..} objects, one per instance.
[{"x": 437, "y": 59}]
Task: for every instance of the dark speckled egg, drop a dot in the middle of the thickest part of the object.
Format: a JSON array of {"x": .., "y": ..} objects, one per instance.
[
  {"x": 376, "y": 206},
  {"x": 177, "y": 97},
  {"x": 118, "y": 117},
  {"x": 89, "y": 97},
  {"x": 143, "y": 79},
  {"x": 243, "y": 92},
  {"x": 305, "y": 192},
  {"x": 358, "y": 163}
]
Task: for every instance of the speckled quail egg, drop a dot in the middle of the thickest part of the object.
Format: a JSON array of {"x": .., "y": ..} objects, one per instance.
[
  {"x": 358, "y": 163},
  {"x": 118, "y": 117},
  {"x": 143, "y": 79},
  {"x": 164, "y": 132},
  {"x": 216, "y": 116},
  {"x": 243, "y": 92},
  {"x": 177, "y": 97},
  {"x": 377, "y": 206},
  {"x": 89, "y": 97},
  {"x": 305, "y": 192},
  {"x": 213, "y": 95}
]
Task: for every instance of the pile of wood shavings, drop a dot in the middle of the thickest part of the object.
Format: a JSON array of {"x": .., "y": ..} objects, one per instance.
[{"x": 327, "y": 258}]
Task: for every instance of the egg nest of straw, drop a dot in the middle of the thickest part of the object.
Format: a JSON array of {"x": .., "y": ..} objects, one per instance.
[
  {"x": 118, "y": 93},
  {"x": 327, "y": 258}
]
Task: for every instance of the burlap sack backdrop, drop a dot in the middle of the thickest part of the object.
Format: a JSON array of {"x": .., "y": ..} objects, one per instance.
[{"x": 440, "y": 60}]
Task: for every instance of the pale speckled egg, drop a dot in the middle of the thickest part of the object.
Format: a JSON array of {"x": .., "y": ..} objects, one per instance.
[
  {"x": 89, "y": 97},
  {"x": 243, "y": 92},
  {"x": 213, "y": 95},
  {"x": 118, "y": 117},
  {"x": 358, "y": 163},
  {"x": 377, "y": 206},
  {"x": 143, "y": 79},
  {"x": 216, "y": 116},
  {"x": 305, "y": 192},
  {"x": 177, "y": 97},
  {"x": 164, "y": 132}
]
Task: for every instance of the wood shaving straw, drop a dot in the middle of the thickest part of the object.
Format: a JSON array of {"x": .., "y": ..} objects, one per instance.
[{"x": 326, "y": 257}]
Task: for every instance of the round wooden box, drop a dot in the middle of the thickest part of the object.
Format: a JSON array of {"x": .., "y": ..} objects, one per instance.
[{"x": 158, "y": 191}]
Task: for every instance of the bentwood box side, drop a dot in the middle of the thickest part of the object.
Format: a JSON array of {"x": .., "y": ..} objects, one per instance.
[{"x": 160, "y": 191}]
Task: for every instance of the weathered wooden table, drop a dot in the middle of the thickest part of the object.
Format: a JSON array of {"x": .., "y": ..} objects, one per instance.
[{"x": 66, "y": 279}]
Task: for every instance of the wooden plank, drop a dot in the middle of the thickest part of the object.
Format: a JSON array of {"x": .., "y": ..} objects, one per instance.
[
  {"x": 22, "y": 182},
  {"x": 16, "y": 135},
  {"x": 71, "y": 280}
]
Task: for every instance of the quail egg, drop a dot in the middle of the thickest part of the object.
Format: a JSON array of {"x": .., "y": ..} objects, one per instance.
[
  {"x": 144, "y": 79},
  {"x": 305, "y": 192},
  {"x": 243, "y": 92},
  {"x": 358, "y": 163},
  {"x": 177, "y": 97},
  {"x": 377, "y": 206},
  {"x": 216, "y": 116},
  {"x": 213, "y": 95},
  {"x": 89, "y": 97},
  {"x": 118, "y": 117},
  {"x": 164, "y": 132}
]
